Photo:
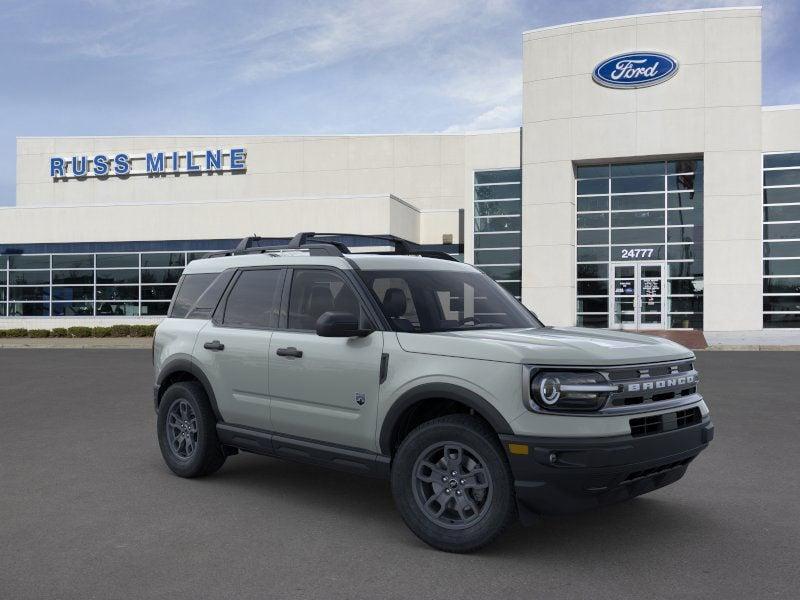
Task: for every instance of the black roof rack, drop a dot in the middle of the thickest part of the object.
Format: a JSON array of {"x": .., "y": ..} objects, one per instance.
[{"x": 317, "y": 245}]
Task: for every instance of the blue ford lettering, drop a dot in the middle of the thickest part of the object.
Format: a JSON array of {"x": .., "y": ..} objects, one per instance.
[{"x": 635, "y": 70}]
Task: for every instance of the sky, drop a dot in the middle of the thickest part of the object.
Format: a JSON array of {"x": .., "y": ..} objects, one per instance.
[{"x": 161, "y": 67}]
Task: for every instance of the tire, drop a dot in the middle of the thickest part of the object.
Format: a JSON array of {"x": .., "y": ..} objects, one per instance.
[
  {"x": 190, "y": 446},
  {"x": 480, "y": 503}
]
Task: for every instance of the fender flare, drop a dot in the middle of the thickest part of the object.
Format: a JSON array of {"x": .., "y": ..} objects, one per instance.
[
  {"x": 184, "y": 363},
  {"x": 447, "y": 391}
]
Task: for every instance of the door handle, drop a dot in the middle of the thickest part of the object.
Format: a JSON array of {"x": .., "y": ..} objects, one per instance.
[
  {"x": 216, "y": 345},
  {"x": 290, "y": 351}
]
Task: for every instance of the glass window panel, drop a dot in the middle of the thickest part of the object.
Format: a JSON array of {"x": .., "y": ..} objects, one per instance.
[
  {"x": 684, "y": 182},
  {"x": 640, "y": 252},
  {"x": 157, "y": 292},
  {"x": 497, "y": 257},
  {"x": 637, "y": 202},
  {"x": 637, "y": 184},
  {"x": 500, "y": 176},
  {"x": 117, "y": 309},
  {"x": 592, "y": 254},
  {"x": 680, "y": 234},
  {"x": 685, "y": 199},
  {"x": 593, "y": 305},
  {"x": 782, "y": 249},
  {"x": 593, "y": 220},
  {"x": 782, "y": 195},
  {"x": 2, "y": 277},
  {"x": 651, "y": 168},
  {"x": 255, "y": 298},
  {"x": 3, "y": 261},
  {"x": 498, "y": 224},
  {"x": 483, "y": 209},
  {"x": 596, "y": 203},
  {"x": 28, "y": 309},
  {"x": 29, "y": 277},
  {"x": 782, "y": 160},
  {"x": 73, "y": 277},
  {"x": 782, "y": 231},
  {"x": 684, "y": 217},
  {"x": 782, "y": 285},
  {"x": 2, "y": 310},
  {"x": 163, "y": 259},
  {"x": 195, "y": 256},
  {"x": 2, "y": 294},
  {"x": 788, "y": 177},
  {"x": 639, "y": 218},
  {"x": 125, "y": 292},
  {"x": 592, "y": 236},
  {"x": 84, "y": 292},
  {"x": 118, "y": 276},
  {"x": 685, "y": 286},
  {"x": 73, "y": 309},
  {"x": 782, "y": 267},
  {"x": 502, "y": 272},
  {"x": 782, "y": 213},
  {"x": 787, "y": 320},
  {"x": 513, "y": 288},
  {"x": 498, "y": 240},
  {"x": 73, "y": 261},
  {"x": 592, "y": 271},
  {"x": 154, "y": 309},
  {"x": 782, "y": 303},
  {"x": 591, "y": 171},
  {"x": 117, "y": 260},
  {"x": 680, "y": 252},
  {"x": 694, "y": 304},
  {"x": 593, "y": 288},
  {"x": 684, "y": 166},
  {"x": 27, "y": 261},
  {"x": 593, "y": 321},
  {"x": 686, "y": 321},
  {"x": 161, "y": 275},
  {"x": 592, "y": 186},
  {"x": 682, "y": 269},
  {"x": 494, "y": 192},
  {"x": 637, "y": 236}
]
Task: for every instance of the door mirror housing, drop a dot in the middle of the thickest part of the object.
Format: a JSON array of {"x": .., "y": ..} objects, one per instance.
[{"x": 340, "y": 324}]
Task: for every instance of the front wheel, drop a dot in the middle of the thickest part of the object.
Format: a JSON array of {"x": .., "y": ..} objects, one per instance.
[
  {"x": 187, "y": 431},
  {"x": 452, "y": 484}
]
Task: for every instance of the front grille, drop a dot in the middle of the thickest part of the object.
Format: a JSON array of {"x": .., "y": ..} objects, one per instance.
[
  {"x": 637, "y": 475},
  {"x": 652, "y": 383},
  {"x": 653, "y": 424}
]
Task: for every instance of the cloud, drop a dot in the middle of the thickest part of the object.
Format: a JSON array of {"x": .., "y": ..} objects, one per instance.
[{"x": 497, "y": 117}]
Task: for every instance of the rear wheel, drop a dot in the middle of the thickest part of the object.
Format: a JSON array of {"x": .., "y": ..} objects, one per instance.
[
  {"x": 452, "y": 484},
  {"x": 187, "y": 433}
]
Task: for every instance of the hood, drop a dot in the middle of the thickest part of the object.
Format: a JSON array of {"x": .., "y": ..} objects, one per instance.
[{"x": 547, "y": 346}]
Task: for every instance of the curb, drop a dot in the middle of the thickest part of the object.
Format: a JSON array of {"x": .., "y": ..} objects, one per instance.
[
  {"x": 78, "y": 343},
  {"x": 753, "y": 348}
]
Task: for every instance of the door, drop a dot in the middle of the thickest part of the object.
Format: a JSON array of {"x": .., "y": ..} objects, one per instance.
[
  {"x": 324, "y": 389},
  {"x": 637, "y": 295},
  {"x": 232, "y": 349}
]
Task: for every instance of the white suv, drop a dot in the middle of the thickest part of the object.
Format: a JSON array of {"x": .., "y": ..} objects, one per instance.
[{"x": 410, "y": 365}]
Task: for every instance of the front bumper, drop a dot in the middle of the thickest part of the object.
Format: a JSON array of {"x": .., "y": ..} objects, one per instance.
[{"x": 564, "y": 475}]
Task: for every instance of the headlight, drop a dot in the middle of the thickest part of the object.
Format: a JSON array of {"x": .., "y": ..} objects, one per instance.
[{"x": 570, "y": 390}]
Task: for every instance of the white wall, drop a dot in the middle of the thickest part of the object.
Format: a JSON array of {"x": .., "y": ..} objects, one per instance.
[{"x": 711, "y": 107}]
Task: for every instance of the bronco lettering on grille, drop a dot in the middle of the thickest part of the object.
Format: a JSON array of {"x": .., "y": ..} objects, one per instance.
[{"x": 659, "y": 384}]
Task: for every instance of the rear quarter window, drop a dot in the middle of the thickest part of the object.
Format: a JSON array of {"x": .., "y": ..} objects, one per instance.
[{"x": 189, "y": 290}]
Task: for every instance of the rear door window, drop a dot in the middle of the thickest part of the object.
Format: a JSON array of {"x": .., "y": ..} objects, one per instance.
[{"x": 254, "y": 300}]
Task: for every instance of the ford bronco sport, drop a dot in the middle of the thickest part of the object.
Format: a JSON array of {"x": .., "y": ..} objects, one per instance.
[{"x": 410, "y": 365}]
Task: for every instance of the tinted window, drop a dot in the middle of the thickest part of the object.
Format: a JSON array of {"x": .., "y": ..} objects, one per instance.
[
  {"x": 254, "y": 299},
  {"x": 189, "y": 291},
  {"x": 315, "y": 292}
]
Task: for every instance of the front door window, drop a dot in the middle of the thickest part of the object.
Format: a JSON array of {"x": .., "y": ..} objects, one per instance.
[{"x": 637, "y": 295}]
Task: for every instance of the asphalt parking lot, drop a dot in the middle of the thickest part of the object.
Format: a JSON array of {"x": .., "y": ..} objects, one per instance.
[{"x": 88, "y": 510}]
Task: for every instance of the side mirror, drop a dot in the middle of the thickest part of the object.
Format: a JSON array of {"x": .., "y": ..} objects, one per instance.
[{"x": 340, "y": 324}]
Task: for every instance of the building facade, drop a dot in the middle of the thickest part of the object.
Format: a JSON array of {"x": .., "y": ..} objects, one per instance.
[{"x": 647, "y": 188}]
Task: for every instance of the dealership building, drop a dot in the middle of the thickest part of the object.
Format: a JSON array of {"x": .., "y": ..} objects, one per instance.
[{"x": 646, "y": 188}]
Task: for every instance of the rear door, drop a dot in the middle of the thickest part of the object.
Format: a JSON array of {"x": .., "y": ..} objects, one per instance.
[
  {"x": 324, "y": 389},
  {"x": 232, "y": 348}
]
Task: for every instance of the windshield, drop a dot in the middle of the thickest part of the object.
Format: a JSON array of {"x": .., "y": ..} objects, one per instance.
[{"x": 432, "y": 301}]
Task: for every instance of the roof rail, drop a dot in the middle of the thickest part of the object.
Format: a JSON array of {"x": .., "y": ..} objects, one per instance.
[{"x": 315, "y": 244}]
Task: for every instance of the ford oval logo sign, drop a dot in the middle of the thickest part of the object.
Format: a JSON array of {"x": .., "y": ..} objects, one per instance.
[{"x": 635, "y": 70}]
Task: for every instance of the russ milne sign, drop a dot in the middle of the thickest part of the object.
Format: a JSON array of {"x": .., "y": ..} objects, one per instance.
[
  {"x": 635, "y": 70},
  {"x": 151, "y": 163}
]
